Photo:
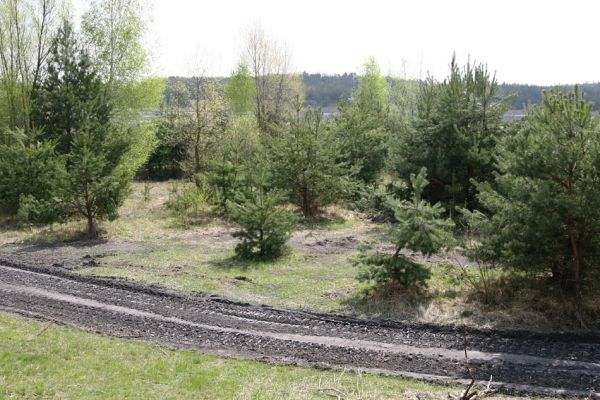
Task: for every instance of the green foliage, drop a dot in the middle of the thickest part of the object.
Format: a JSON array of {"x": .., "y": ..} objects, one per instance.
[
  {"x": 225, "y": 177},
  {"x": 26, "y": 31},
  {"x": 101, "y": 158},
  {"x": 305, "y": 164},
  {"x": 14, "y": 136},
  {"x": 454, "y": 135},
  {"x": 420, "y": 225},
  {"x": 419, "y": 228},
  {"x": 31, "y": 181},
  {"x": 141, "y": 95},
  {"x": 240, "y": 90},
  {"x": 204, "y": 127},
  {"x": 373, "y": 198},
  {"x": 241, "y": 142},
  {"x": 544, "y": 200},
  {"x": 141, "y": 140},
  {"x": 69, "y": 99},
  {"x": 265, "y": 226},
  {"x": 113, "y": 30},
  {"x": 382, "y": 269},
  {"x": 371, "y": 98},
  {"x": 189, "y": 204},
  {"x": 361, "y": 124},
  {"x": 97, "y": 183},
  {"x": 237, "y": 158},
  {"x": 165, "y": 161}
]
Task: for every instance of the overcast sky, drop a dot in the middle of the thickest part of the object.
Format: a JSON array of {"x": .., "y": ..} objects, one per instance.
[{"x": 525, "y": 41}]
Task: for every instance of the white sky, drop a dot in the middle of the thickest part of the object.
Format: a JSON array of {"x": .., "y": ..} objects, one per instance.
[{"x": 525, "y": 41}]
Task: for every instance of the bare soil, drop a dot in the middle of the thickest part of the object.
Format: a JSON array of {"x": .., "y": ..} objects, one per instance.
[{"x": 516, "y": 361}]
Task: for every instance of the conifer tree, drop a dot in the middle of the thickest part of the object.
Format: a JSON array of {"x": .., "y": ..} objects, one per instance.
[
  {"x": 225, "y": 177},
  {"x": 544, "y": 200},
  {"x": 73, "y": 112},
  {"x": 457, "y": 123},
  {"x": 69, "y": 99},
  {"x": 305, "y": 163},
  {"x": 361, "y": 124},
  {"x": 265, "y": 225},
  {"x": 420, "y": 228}
]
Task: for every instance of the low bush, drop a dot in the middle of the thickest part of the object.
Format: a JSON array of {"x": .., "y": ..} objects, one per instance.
[
  {"x": 419, "y": 228},
  {"x": 188, "y": 204},
  {"x": 265, "y": 225},
  {"x": 381, "y": 268}
]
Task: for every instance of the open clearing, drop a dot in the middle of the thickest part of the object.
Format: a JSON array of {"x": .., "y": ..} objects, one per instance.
[{"x": 147, "y": 245}]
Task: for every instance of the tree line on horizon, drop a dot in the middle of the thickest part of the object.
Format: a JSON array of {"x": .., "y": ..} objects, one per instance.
[{"x": 325, "y": 90}]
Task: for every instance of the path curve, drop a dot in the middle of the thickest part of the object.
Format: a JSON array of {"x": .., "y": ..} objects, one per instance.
[{"x": 549, "y": 364}]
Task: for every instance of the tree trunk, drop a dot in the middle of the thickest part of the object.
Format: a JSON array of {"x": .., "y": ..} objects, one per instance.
[
  {"x": 92, "y": 227},
  {"x": 261, "y": 242},
  {"x": 576, "y": 252},
  {"x": 197, "y": 162},
  {"x": 306, "y": 204}
]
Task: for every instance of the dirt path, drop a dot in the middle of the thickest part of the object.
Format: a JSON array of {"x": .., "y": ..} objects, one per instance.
[{"x": 516, "y": 361}]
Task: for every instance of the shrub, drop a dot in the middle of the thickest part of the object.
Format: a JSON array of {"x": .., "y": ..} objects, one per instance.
[
  {"x": 188, "y": 204},
  {"x": 32, "y": 179},
  {"x": 419, "y": 228},
  {"x": 265, "y": 226},
  {"x": 381, "y": 268}
]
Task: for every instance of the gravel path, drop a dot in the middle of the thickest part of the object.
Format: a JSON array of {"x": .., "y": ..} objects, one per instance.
[{"x": 551, "y": 364}]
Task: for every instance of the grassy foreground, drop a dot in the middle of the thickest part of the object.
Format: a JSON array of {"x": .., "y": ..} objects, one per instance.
[{"x": 38, "y": 360}]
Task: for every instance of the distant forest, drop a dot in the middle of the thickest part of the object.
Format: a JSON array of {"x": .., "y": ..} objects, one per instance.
[{"x": 325, "y": 90}]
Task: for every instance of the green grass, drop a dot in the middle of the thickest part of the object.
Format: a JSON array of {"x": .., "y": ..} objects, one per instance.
[
  {"x": 292, "y": 281},
  {"x": 38, "y": 360}
]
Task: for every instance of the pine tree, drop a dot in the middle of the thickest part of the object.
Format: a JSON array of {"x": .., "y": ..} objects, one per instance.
[
  {"x": 305, "y": 163},
  {"x": 454, "y": 135},
  {"x": 73, "y": 112},
  {"x": 361, "y": 124},
  {"x": 544, "y": 200},
  {"x": 69, "y": 99},
  {"x": 420, "y": 228},
  {"x": 225, "y": 177},
  {"x": 265, "y": 226},
  {"x": 97, "y": 184}
]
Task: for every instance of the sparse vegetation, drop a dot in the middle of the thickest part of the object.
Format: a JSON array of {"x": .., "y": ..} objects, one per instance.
[{"x": 187, "y": 205}]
